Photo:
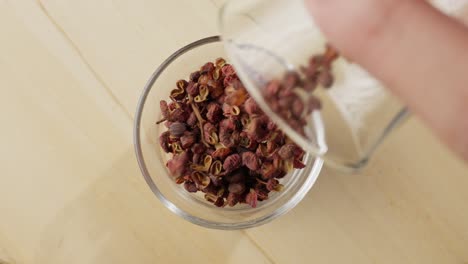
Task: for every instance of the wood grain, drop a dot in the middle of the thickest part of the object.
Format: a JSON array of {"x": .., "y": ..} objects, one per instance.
[
  {"x": 71, "y": 189},
  {"x": 72, "y": 192}
]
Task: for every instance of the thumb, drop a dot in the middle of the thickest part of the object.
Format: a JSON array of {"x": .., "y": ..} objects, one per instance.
[{"x": 420, "y": 54}]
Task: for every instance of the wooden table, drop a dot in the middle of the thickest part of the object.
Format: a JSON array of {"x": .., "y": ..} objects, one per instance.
[{"x": 71, "y": 191}]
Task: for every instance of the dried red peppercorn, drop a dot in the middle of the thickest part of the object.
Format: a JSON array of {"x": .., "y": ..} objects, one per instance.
[
  {"x": 164, "y": 142},
  {"x": 178, "y": 164},
  {"x": 228, "y": 70},
  {"x": 250, "y": 160},
  {"x": 177, "y": 129},
  {"x": 232, "y": 162},
  {"x": 221, "y": 141},
  {"x": 187, "y": 140},
  {"x": 252, "y": 198},
  {"x": 214, "y": 113}
]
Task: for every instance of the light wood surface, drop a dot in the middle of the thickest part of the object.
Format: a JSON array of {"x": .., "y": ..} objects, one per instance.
[{"x": 71, "y": 191}]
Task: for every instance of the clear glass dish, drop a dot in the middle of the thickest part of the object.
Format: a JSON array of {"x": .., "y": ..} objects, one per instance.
[
  {"x": 152, "y": 159},
  {"x": 264, "y": 39}
]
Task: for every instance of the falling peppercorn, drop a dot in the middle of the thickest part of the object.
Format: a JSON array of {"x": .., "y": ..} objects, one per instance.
[{"x": 283, "y": 96}]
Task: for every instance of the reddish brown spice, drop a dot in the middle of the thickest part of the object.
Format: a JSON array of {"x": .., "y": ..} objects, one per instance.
[{"x": 222, "y": 143}]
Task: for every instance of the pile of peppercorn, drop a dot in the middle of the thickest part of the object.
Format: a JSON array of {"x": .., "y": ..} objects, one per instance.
[{"x": 221, "y": 143}]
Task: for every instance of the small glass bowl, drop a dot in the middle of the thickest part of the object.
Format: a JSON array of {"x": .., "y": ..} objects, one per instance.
[{"x": 152, "y": 160}]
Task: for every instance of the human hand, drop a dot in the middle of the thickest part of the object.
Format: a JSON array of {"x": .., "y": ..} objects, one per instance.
[{"x": 420, "y": 54}]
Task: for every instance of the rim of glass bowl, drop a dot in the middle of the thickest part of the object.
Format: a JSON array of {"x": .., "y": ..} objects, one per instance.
[{"x": 311, "y": 178}]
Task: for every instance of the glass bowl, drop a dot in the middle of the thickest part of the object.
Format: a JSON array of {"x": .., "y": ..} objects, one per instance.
[{"x": 152, "y": 159}]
